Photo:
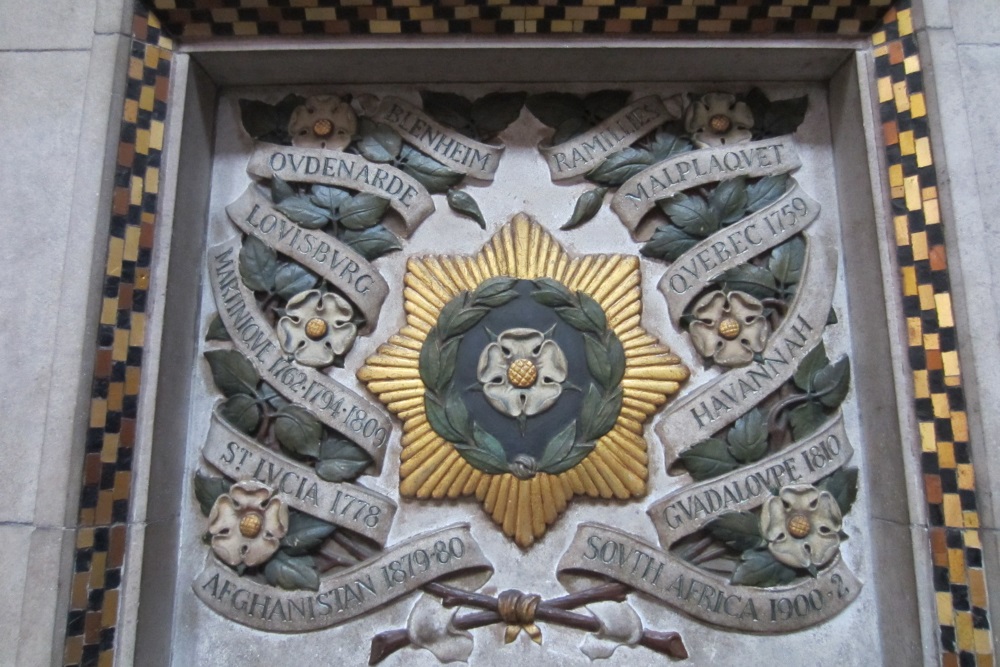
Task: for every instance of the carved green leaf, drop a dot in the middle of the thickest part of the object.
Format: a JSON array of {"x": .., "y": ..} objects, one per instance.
[
  {"x": 598, "y": 362},
  {"x": 450, "y": 426},
  {"x": 292, "y": 572},
  {"x": 551, "y": 293},
  {"x": 569, "y": 128},
  {"x": 437, "y": 361},
  {"x": 292, "y": 278},
  {"x": 563, "y": 451},
  {"x": 286, "y": 106},
  {"x": 259, "y": 118},
  {"x": 305, "y": 533},
  {"x": 341, "y": 460},
  {"x": 691, "y": 213},
  {"x": 379, "y": 142},
  {"x": 843, "y": 486},
  {"x": 554, "y": 109},
  {"x": 459, "y": 315},
  {"x": 297, "y": 430},
  {"x": 766, "y": 191},
  {"x": 485, "y": 453},
  {"x": 242, "y": 412},
  {"x": 599, "y": 412},
  {"x": 593, "y": 311},
  {"x": 787, "y": 260},
  {"x": 268, "y": 394},
  {"x": 831, "y": 383},
  {"x": 668, "y": 243},
  {"x": 805, "y": 419},
  {"x": 208, "y": 489},
  {"x": 302, "y": 210},
  {"x": 429, "y": 364},
  {"x": 216, "y": 329},
  {"x": 576, "y": 318},
  {"x": 605, "y": 359},
  {"x": 232, "y": 373},
  {"x": 666, "y": 144},
  {"x": 772, "y": 119},
  {"x": 621, "y": 166},
  {"x": 372, "y": 243},
  {"x": 494, "y": 292},
  {"x": 748, "y": 437},
  {"x": 603, "y": 104},
  {"x": 709, "y": 458},
  {"x": 754, "y": 280},
  {"x": 586, "y": 207},
  {"x": 258, "y": 264},
  {"x": 739, "y": 530},
  {"x": 362, "y": 211},
  {"x": 616, "y": 353},
  {"x": 810, "y": 365},
  {"x": 760, "y": 568},
  {"x": 432, "y": 174},
  {"x": 729, "y": 200},
  {"x": 448, "y": 108},
  {"x": 492, "y": 113},
  {"x": 328, "y": 198},
  {"x": 462, "y": 202},
  {"x": 280, "y": 190}
]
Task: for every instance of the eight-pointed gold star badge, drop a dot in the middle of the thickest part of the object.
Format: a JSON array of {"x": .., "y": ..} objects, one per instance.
[{"x": 523, "y": 377}]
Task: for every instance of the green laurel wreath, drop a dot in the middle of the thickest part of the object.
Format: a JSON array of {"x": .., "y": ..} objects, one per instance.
[{"x": 448, "y": 415}]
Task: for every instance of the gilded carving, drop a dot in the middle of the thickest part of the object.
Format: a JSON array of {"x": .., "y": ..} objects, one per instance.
[
  {"x": 597, "y": 449},
  {"x": 523, "y": 376}
]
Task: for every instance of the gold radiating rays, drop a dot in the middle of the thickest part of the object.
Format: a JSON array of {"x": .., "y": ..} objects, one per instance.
[{"x": 430, "y": 467}]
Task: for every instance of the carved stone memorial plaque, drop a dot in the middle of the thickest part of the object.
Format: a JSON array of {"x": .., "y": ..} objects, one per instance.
[{"x": 525, "y": 376}]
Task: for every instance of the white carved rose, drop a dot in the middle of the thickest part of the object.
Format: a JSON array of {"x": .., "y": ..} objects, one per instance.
[
  {"x": 317, "y": 327},
  {"x": 717, "y": 119},
  {"x": 522, "y": 372},
  {"x": 247, "y": 524},
  {"x": 324, "y": 121},
  {"x": 802, "y": 526},
  {"x": 729, "y": 329}
]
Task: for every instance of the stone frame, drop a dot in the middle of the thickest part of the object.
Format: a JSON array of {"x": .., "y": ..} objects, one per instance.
[{"x": 196, "y": 78}]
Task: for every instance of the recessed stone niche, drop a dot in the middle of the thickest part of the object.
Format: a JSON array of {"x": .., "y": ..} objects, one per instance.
[{"x": 643, "y": 406}]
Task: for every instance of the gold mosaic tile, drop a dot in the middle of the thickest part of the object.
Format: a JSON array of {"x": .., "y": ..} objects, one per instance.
[
  {"x": 948, "y": 472},
  {"x": 107, "y": 478},
  {"x": 201, "y": 19}
]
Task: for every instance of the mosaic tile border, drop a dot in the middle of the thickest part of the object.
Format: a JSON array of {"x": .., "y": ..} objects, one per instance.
[
  {"x": 199, "y": 19},
  {"x": 948, "y": 477},
  {"x": 949, "y": 480},
  {"x": 107, "y": 470}
]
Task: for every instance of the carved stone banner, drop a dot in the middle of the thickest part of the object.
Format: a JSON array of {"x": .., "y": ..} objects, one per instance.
[
  {"x": 313, "y": 165},
  {"x": 608, "y": 552},
  {"x": 458, "y": 152},
  {"x": 349, "y": 505},
  {"x": 523, "y": 377},
  {"x": 340, "y": 597},
  {"x": 665, "y": 179},
  {"x": 330, "y": 258},
  {"x": 688, "y": 509},
  {"x": 332, "y": 403},
  {"x": 697, "y": 268},
  {"x": 587, "y": 151},
  {"x": 723, "y": 400}
]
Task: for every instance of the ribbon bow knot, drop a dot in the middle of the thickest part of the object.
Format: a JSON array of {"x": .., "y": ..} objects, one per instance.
[{"x": 517, "y": 610}]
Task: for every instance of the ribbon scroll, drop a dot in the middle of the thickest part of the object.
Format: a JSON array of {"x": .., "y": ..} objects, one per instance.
[
  {"x": 332, "y": 403},
  {"x": 318, "y": 165}
]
